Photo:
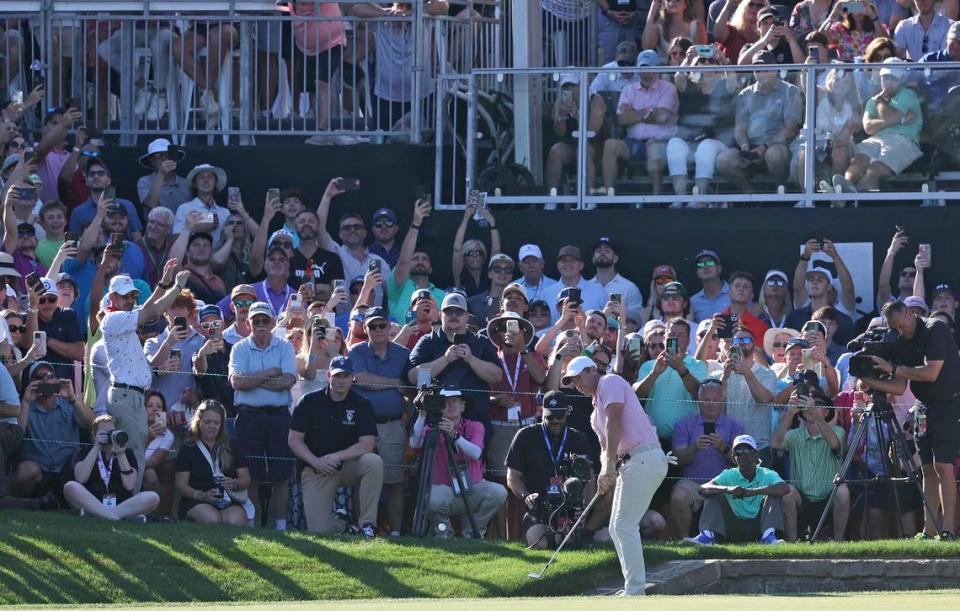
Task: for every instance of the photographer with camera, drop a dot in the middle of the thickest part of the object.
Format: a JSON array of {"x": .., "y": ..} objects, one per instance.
[
  {"x": 108, "y": 494},
  {"x": 926, "y": 356},
  {"x": 446, "y": 497},
  {"x": 540, "y": 462}
]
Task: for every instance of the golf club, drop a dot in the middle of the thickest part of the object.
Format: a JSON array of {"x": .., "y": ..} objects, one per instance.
[{"x": 576, "y": 524}]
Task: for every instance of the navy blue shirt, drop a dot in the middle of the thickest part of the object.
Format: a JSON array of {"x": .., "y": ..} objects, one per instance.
[
  {"x": 459, "y": 374},
  {"x": 939, "y": 81},
  {"x": 87, "y": 211},
  {"x": 388, "y": 403}
]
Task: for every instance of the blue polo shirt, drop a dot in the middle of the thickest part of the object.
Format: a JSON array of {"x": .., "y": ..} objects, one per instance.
[
  {"x": 132, "y": 263},
  {"x": 388, "y": 403},
  {"x": 171, "y": 385},
  {"x": 87, "y": 211},
  {"x": 705, "y": 307},
  {"x": 458, "y": 374},
  {"x": 52, "y": 437},
  {"x": 246, "y": 357}
]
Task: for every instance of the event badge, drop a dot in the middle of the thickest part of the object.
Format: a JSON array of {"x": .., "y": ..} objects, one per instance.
[
  {"x": 464, "y": 475},
  {"x": 513, "y": 414},
  {"x": 109, "y": 501},
  {"x": 556, "y": 485}
]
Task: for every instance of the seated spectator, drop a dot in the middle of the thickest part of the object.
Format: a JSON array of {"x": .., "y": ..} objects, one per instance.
[
  {"x": 836, "y": 121},
  {"x": 333, "y": 434},
  {"x": 736, "y": 26},
  {"x": 893, "y": 120},
  {"x": 775, "y": 37},
  {"x": 164, "y": 187},
  {"x": 925, "y": 32},
  {"x": 702, "y": 445},
  {"x": 648, "y": 108},
  {"x": 742, "y": 504},
  {"x": 668, "y": 19},
  {"x": 159, "y": 442},
  {"x": 211, "y": 476},
  {"x": 320, "y": 41},
  {"x": 868, "y": 79},
  {"x": 816, "y": 450},
  {"x": 706, "y": 117},
  {"x": 50, "y": 423},
  {"x": 109, "y": 495},
  {"x": 852, "y": 26},
  {"x": 939, "y": 82},
  {"x": 470, "y": 257},
  {"x": 809, "y": 15},
  {"x": 205, "y": 182},
  {"x": 566, "y": 123},
  {"x": 611, "y": 83},
  {"x": 485, "y": 498},
  {"x": 679, "y": 47},
  {"x": 769, "y": 114}
]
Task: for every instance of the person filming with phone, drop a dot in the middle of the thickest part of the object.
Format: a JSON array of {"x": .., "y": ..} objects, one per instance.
[{"x": 926, "y": 356}]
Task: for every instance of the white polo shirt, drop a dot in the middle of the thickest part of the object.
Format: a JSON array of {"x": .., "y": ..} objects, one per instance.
[{"x": 126, "y": 362}]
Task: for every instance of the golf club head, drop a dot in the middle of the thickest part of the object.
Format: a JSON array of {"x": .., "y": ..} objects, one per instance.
[{"x": 535, "y": 575}]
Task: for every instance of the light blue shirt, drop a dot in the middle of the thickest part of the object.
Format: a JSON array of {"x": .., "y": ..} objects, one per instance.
[
  {"x": 594, "y": 296},
  {"x": 705, "y": 307},
  {"x": 171, "y": 385},
  {"x": 246, "y": 357},
  {"x": 8, "y": 393},
  {"x": 538, "y": 291}
]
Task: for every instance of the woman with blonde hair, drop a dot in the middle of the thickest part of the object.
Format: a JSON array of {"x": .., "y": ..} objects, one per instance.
[
  {"x": 210, "y": 480},
  {"x": 737, "y": 26},
  {"x": 321, "y": 343},
  {"x": 668, "y": 20}
]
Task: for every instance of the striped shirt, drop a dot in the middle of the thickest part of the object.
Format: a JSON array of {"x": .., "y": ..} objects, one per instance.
[{"x": 813, "y": 464}]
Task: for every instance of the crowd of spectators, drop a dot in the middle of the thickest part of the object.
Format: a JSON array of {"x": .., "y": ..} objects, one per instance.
[{"x": 175, "y": 358}]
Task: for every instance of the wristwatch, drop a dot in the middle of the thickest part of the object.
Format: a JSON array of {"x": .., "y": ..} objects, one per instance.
[{"x": 525, "y": 351}]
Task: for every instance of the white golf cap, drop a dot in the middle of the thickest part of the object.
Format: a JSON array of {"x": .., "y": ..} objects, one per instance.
[
  {"x": 744, "y": 440},
  {"x": 577, "y": 366},
  {"x": 529, "y": 250},
  {"x": 122, "y": 284}
]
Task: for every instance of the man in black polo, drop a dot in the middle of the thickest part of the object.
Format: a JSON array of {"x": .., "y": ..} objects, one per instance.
[
  {"x": 927, "y": 357},
  {"x": 64, "y": 336},
  {"x": 457, "y": 358},
  {"x": 537, "y": 464},
  {"x": 333, "y": 432}
]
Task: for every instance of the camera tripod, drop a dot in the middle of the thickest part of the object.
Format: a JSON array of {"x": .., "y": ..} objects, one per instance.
[
  {"x": 424, "y": 484},
  {"x": 893, "y": 452}
]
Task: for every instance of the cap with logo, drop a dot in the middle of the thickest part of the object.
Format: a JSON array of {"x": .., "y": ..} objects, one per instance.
[
  {"x": 708, "y": 253},
  {"x": 515, "y": 287},
  {"x": 386, "y": 213},
  {"x": 375, "y": 313},
  {"x": 648, "y": 58},
  {"x": 529, "y": 250},
  {"x": 556, "y": 402},
  {"x": 501, "y": 258},
  {"x": 775, "y": 273},
  {"x": 49, "y": 287},
  {"x": 420, "y": 294},
  {"x": 211, "y": 310},
  {"x": 243, "y": 289},
  {"x": 577, "y": 366},
  {"x": 122, "y": 284},
  {"x": 569, "y": 251},
  {"x": 454, "y": 300},
  {"x": 340, "y": 364},
  {"x": 820, "y": 264},
  {"x": 916, "y": 302},
  {"x": 260, "y": 308},
  {"x": 747, "y": 440},
  {"x": 673, "y": 288},
  {"x": 605, "y": 241}
]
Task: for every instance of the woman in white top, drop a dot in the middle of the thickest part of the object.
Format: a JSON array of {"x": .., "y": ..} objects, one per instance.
[
  {"x": 321, "y": 342},
  {"x": 669, "y": 19}
]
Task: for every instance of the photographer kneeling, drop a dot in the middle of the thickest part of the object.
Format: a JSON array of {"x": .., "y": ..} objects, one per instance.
[
  {"x": 927, "y": 357},
  {"x": 542, "y": 459},
  {"x": 446, "y": 499},
  {"x": 109, "y": 493}
]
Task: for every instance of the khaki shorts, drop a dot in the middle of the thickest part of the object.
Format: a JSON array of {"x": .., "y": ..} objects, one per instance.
[
  {"x": 895, "y": 151},
  {"x": 391, "y": 446},
  {"x": 693, "y": 488}
]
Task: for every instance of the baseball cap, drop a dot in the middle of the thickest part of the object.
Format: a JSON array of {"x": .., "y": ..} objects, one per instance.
[
  {"x": 242, "y": 289},
  {"x": 648, "y": 58},
  {"x": 211, "y": 310},
  {"x": 49, "y": 287},
  {"x": 815, "y": 326},
  {"x": 569, "y": 251},
  {"x": 819, "y": 263},
  {"x": 569, "y": 78},
  {"x": 452, "y": 392},
  {"x": 952, "y": 34},
  {"x": 280, "y": 233},
  {"x": 26, "y": 228},
  {"x": 122, "y": 284},
  {"x": 514, "y": 287},
  {"x": 774, "y": 273},
  {"x": 529, "y": 250},
  {"x": 673, "y": 288},
  {"x": 37, "y": 365},
  {"x": 627, "y": 49},
  {"x": 385, "y": 213},
  {"x": 653, "y": 327},
  {"x": 500, "y": 258},
  {"x": 565, "y": 293},
  {"x": 664, "y": 271},
  {"x": 916, "y": 302},
  {"x": 577, "y": 366},
  {"x": 767, "y": 12},
  {"x": 65, "y": 277},
  {"x": 116, "y": 209},
  {"x": 764, "y": 57},
  {"x": 605, "y": 241},
  {"x": 454, "y": 300},
  {"x": 374, "y": 313},
  {"x": 889, "y": 68},
  {"x": 260, "y": 308},
  {"x": 340, "y": 364},
  {"x": 708, "y": 253},
  {"x": 797, "y": 341},
  {"x": 744, "y": 440},
  {"x": 944, "y": 288},
  {"x": 556, "y": 402},
  {"x": 420, "y": 294}
]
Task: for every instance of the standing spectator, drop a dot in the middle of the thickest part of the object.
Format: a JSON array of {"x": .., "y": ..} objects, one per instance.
[
  {"x": 648, "y": 108},
  {"x": 775, "y": 37},
  {"x": 354, "y": 255},
  {"x": 923, "y": 33},
  {"x": 53, "y": 220},
  {"x": 156, "y": 242},
  {"x": 262, "y": 371},
  {"x": 769, "y": 114},
  {"x": 324, "y": 266},
  {"x": 852, "y": 26},
  {"x": 164, "y": 187},
  {"x": 275, "y": 290},
  {"x": 570, "y": 265},
  {"x": 98, "y": 180},
  {"x": 741, "y": 304},
  {"x": 172, "y": 374},
  {"x": 605, "y": 259},
  {"x": 241, "y": 298},
  {"x": 64, "y": 335},
  {"x": 385, "y": 229},
  {"x": 533, "y": 280},
  {"x": 425, "y": 313},
  {"x": 715, "y": 294},
  {"x": 413, "y": 267},
  {"x": 205, "y": 285},
  {"x": 816, "y": 281},
  {"x": 212, "y": 360},
  {"x": 20, "y": 240},
  {"x": 669, "y": 19},
  {"x": 809, "y": 16},
  {"x": 205, "y": 182},
  {"x": 619, "y": 22},
  {"x": 702, "y": 456},
  {"x": 210, "y": 471},
  {"x": 380, "y": 370},
  {"x": 470, "y": 257},
  {"x": 458, "y": 358},
  {"x": 939, "y": 82},
  {"x": 52, "y": 154},
  {"x": 333, "y": 434},
  {"x": 484, "y": 497},
  {"x": 486, "y": 305},
  {"x": 130, "y": 374},
  {"x": 905, "y": 278},
  {"x": 113, "y": 495}
]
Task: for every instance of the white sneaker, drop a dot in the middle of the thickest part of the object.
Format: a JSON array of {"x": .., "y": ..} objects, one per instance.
[
  {"x": 157, "y": 108},
  {"x": 348, "y": 140},
  {"x": 141, "y": 101},
  {"x": 209, "y": 105},
  {"x": 319, "y": 140}
]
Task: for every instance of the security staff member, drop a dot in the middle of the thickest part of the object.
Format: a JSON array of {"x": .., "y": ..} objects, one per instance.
[
  {"x": 927, "y": 357},
  {"x": 333, "y": 432},
  {"x": 533, "y": 464}
]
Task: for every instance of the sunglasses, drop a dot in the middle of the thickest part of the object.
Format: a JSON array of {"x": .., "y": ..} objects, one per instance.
[
  {"x": 776, "y": 282},
  {"x": 744, "y": 452},
  {"x": 93, "y": 154},
  {"x": 377, "y": 326},
  {"x": 17, "y": 328},
  {"x": 601, "y": 367},
  {"x": 384, "y": 225},
  {"x": 711, "y": 382},
  {"x": 353, "y": 227},
  {"x": 26, "y": 234},
  {"x": 48, "y": 299},
  {"x": 741, "y": 341},
  {"x": 17, "y": 145},
  {"x": 706, "y": 263},
  {"x": 498, "y": 269},
  {"x": 475, "y": 253},
  {"x": 243, "y": 303},
  {"x": 211, "y": 324}
]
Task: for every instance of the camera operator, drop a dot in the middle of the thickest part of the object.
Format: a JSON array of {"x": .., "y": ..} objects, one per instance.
[
  {"x": 538, "y": 465},
  {"x": 927, "y": 357},
  {"x": 108, "y": 494},
  {"x": 446, "y": 499}
]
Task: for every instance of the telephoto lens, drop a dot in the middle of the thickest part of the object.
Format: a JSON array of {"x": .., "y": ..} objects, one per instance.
[{"x": 119, "y": 438}]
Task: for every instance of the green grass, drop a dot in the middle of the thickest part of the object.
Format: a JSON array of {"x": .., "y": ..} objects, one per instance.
[{"x": 58, "y": 558}]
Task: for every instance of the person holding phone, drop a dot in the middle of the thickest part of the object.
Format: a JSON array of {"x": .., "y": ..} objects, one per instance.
[
  {"x": 164, "y": 187},
  {"x": 702, "y": 445},
  {"x": 205, "y": 181},
  {"x": 413, "y": 268},
  {"x": 65, "y": 337},
  {"x": 211, "y": 360},
  {"x": 174, "y": 375},
  {"x": 99, "y": 181},
  {"x": 20, "y": 240}
]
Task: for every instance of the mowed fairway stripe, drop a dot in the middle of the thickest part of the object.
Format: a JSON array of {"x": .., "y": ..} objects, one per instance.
[{"x": 947, "y": 600}]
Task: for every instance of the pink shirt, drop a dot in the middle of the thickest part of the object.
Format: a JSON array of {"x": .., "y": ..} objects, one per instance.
[
  {"x": 662, "y": 94},
  {"x": 314, "y": 36},
  {"x": 637, "y": 428},
  {"x": 472, "y": 432},
  {"x": 49, "y": 172}
]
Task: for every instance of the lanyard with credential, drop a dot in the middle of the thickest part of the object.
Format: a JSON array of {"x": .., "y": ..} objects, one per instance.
[
  {"x": 516, "y": 374},
  {"x": 563, "y": 443},
  {"x": 287, "y": 291},
  {"x": 105, "y": 472}
]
